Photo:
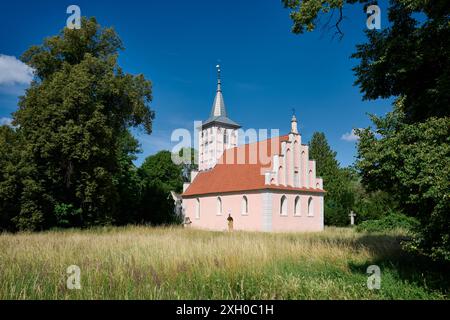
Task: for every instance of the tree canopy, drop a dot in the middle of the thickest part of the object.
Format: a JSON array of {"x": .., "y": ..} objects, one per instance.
[
  {"x": 72, "y": 124},
  {"x": 406, "y": 155},
  {"x": 339, "y": 197}
]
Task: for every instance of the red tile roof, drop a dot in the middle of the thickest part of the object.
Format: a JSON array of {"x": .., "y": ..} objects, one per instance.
[{"x": 240, "y": 170}]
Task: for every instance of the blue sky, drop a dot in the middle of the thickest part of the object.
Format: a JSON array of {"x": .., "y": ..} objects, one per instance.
[{"x": 266, "y": 70}]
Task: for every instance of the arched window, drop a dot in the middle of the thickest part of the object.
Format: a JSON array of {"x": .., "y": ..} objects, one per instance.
[
  {"x": 296, "y": 155},
  {"x": 310, "y": 207},
  {"x": 244, "y": 205},
  {"x": 197, "y": 209},
  {"x": 283, "y": 206},
  {"x": 311, "y": 179},
  {"x": 219, "y": 206},
  {"x": 297, "y": 208},
  {"x": 225, "y": 137}
]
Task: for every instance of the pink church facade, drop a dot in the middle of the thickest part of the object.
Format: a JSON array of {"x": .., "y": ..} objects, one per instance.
[{"x": 268, "y": 186}]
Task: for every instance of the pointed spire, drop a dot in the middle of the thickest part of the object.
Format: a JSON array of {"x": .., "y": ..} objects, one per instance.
[
  {"x": 218, "y": 114},
  {"x": 294, "y": 122},
  {"x": 218, "y": 108}
]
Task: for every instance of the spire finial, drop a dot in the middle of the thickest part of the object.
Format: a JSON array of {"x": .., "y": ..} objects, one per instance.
[
  {"x": 218, "y": 77},
  {"x": 294, "y": 122}
]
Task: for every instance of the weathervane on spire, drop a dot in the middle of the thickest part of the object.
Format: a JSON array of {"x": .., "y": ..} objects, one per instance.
[
  {"x": 218, "y": 77},
  {"x": 218, "y": 71}
]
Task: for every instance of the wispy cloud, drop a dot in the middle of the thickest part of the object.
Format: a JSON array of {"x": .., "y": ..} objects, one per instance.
[
  {"x": 14, "y": 71},
  {"x": 350, "y": 136},
  {"x": 6, "y": 121},
  {"x": 155, "y": 142}
]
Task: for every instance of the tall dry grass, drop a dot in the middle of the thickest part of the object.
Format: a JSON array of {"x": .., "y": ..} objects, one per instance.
[{"x": 175, "y": 263}]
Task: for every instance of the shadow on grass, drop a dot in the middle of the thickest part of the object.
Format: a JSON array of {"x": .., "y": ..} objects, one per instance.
[{"x": 388, "y": 254}]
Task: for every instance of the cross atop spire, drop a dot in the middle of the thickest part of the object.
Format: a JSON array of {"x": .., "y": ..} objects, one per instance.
[{"x": 218, "y": 78}]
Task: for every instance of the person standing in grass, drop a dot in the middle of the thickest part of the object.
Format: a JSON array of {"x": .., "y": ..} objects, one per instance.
[
  {"x": 187, "y": 222},
  {"x": 230, "y": 223}
]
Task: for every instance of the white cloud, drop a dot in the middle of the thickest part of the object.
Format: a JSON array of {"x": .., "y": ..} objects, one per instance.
[
  {"x": 6, "y": 121},
  {"x": 14, "y": 71},
  {"x": 350, "y": 136}
]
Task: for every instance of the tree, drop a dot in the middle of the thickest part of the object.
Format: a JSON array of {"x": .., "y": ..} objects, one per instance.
[
  {"x": 189, "y": 159},
  {"x": 10, "y": 179},
  {"x": 408, "y": 158},
  {"x": 339, "y": 197},
  {"x": 71, "y": 124},
  {"x": 411, "y": 162},
  {"x": 159, "y": 176},
  {"x": 128, "y": 181},
  {"x": 411, "y": 58}
]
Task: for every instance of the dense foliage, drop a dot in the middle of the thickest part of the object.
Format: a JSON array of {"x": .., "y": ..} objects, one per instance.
[
  {"x": 407, "y": 154},
  {"x": 344, "y": 191},
  {"x": 339, "y": 198},
  {"x": 389, "y": 222},
  {"x": 68, "y": 160},
  {"x": 411, "y": 161},
  {"x": 159, "y": 175}
]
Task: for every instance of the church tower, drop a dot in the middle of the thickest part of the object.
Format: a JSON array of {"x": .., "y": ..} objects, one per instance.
[{"x": 217, "y": 133}]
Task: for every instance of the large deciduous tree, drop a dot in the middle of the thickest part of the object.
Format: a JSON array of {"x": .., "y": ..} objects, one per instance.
[{"x": 72, "y": 125}]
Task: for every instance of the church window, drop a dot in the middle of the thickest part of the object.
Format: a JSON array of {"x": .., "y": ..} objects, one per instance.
[
  {"x": 297, "y": 207},
  {"x": 219, "y": 206},
  {"x": 244, "y": 208},
  {"x": 283, "y": 206},
  {"x": 197, "y": 209},
  {"x": 310, "y": 207}
]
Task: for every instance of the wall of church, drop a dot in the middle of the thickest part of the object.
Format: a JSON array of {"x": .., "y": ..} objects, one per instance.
[
  {"x": 293, "y": 168},
  {"x": 210, "y": 217},
  {"x": 212, "y": 143},
  {"x": 297, "y": 212}
]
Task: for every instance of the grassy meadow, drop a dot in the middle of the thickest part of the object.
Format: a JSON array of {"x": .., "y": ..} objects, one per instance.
[{"x": 176, "y": 263}]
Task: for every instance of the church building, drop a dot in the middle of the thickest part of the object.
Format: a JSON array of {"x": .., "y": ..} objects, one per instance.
[{"x": 269, "y": 185}]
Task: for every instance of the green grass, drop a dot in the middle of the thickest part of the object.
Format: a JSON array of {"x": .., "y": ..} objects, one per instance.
[{"x": 175, "y": 263}]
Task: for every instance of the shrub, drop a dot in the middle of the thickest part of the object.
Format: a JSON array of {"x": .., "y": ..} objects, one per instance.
[
  {"x": 390, "y": 222},
  {"x": 66, "y": 215}
]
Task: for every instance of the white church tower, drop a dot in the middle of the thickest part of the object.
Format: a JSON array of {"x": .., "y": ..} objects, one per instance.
[{"x": 217, "y": 133}]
